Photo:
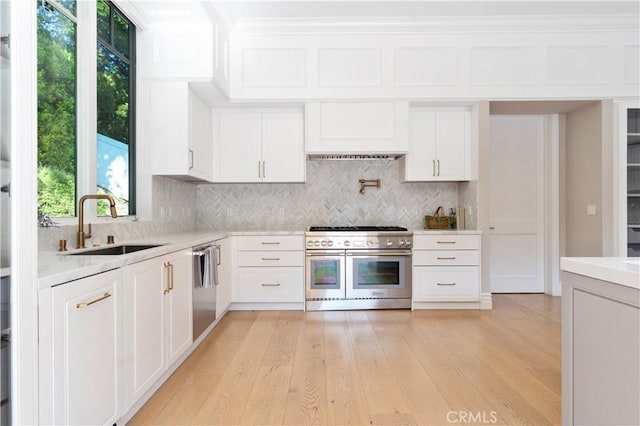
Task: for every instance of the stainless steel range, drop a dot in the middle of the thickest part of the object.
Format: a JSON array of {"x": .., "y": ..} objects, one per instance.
[{"x": 358, "y": 267}]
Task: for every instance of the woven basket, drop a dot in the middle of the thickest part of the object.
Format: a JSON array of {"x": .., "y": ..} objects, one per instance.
[{"x": 437, "y": 221}]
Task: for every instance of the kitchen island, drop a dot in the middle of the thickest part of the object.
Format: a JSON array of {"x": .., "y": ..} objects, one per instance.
[{"x": 600, "y": 340}]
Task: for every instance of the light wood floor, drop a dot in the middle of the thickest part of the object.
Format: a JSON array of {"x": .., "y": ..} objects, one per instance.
[{"x": 372, "y": 367}]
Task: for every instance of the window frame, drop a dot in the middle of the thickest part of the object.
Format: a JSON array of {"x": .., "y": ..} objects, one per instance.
[{"x": 86, "y": 110}]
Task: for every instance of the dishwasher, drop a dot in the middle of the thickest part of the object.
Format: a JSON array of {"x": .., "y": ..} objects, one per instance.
[{"x": 206, "y": 260}]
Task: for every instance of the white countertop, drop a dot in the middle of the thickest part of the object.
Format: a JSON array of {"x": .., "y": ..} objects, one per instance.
[
  {"x": 56, "y": 268},
  {"x": 619, "y": 270},
  {"x": 446, "y": 232}
]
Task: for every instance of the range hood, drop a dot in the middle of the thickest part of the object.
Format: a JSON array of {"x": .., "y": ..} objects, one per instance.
[{"x": 354, "y": 156}]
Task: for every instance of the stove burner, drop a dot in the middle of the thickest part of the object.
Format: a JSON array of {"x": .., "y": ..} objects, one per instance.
[{"x": 356, "y": 228}]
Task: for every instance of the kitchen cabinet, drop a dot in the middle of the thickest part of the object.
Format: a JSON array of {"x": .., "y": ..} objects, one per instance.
[
  {"x": 270, "y": 270},
  {"x": 446, "y": 268},
  {"x": 439, "y": 145},
  {"x": 630, "y": 139},
  {"x": 157, "y": 319},
  {"x": 85, "y": 365},
  {"x": 357, "y": 128},
  {"x": 600, "y": 347},
  {"x": 177, "y": 124},
  {"x": 258, "y": 146},
  {"x": 225, "y": 275}
]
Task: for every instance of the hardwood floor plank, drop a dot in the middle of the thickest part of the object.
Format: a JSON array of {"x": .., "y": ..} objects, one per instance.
[
  {"x": 427, "y": 403},
  {"x": 268, "y": 397},
  {"x": 306, "y": 401},
  {"x": 346, "y": 404},
  {"x": 382, "y": 392}
]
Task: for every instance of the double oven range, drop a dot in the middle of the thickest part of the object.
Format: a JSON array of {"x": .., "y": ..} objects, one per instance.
[{"x": 358, "y": 267}]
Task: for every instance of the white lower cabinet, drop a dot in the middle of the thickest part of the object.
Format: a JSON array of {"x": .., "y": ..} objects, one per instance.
[
  {"x": 270, "y": 269},
  {"x": 225, "y": 275},
  {"x": 156, "y": 320},
  {"x": 446, "y": 269},
  {"x": 85, "y": 369}
]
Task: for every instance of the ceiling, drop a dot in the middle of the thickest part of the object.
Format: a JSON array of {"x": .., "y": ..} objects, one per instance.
[{"x": 240, "y": 10}]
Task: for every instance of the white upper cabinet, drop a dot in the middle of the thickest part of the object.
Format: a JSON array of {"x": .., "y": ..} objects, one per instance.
[
  {"x": 258, "y": 146},
  {"x": 357, "y": 127},
  {"x": 177, "y": 128},
  {"x": 439, "y": 146}
]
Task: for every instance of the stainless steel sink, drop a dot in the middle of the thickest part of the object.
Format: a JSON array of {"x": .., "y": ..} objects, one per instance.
[{"x": 115, "y": 250}]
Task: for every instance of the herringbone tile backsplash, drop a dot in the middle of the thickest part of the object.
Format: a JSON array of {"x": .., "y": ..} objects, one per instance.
[{"x": 329, "y": 197}]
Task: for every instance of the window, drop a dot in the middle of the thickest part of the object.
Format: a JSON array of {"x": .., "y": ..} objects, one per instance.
[
  {"x": 62, "y": 170},
  {"x": 115, "y": 81},
  {"x": 57, "y": 108}
]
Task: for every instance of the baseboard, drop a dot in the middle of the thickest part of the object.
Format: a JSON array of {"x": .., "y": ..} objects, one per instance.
[
  {"x": 446, "y": 305},
  {"x": 486, "y": 301},
  {"x": 556, "y": 290}
]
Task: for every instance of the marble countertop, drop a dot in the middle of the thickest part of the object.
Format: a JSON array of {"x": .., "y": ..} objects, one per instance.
[
  {"x": 56, "y": 268},
  {"x": 446, "y": 232},
  {"x": 619, "y": 270}
]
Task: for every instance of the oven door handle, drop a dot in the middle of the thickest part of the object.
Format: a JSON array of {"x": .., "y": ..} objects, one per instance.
[
  {"x": 325, "y": 253},
  {"x": 379, "y": 253}
]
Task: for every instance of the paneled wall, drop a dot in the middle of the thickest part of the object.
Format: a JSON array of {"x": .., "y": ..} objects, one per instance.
[
  {"x": 515, "y": 58},
  {"x": 329, "y": 197}
]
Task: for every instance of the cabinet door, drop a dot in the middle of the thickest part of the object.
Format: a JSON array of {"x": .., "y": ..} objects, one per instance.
[
  {"x": 237, "y": 147},
  {"x": 84, "y": 350},
  {"x": 143, "y": 327},
  {"x": 274, "y": 285},
  {"x": 283, "y": 147},
  {"x": 178, "y": 275},
  {"x": 446, "y": 284},
  {"x": 166, "y": 124},
  {"x": 200, "y": 139},
  {"x": 452, "y": 145},
  {"x": 225, "y": 274},
  {"x": 420, "y": 162}
]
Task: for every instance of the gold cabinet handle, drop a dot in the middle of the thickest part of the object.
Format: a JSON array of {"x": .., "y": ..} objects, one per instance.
[
  {"x": 438, "y": 167},
  {"x": 491, "y": 227},
  {"x": 434, "y": 167},
  {"x": 446, "y": 242},
  {"x": 86, "y": 304},
  {"x": 264, "y": 173},
  {"x": 270, "y": 258},
  {"x": 446, "y": 258},
  {"x": 446, "y": 283},
  {"x": 270, "y": 243},
  {"x": 169, "y": 268},
  {"x": 270, "y": 285}
]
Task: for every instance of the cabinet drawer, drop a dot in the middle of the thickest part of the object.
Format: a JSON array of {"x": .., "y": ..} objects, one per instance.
[
  {"x": 270, "y": 258},
  {"x": 271, "y": 243},
  {"x": 446, "y": 242},
  {"x": 443, "y": 284},
  {"x": 270, "y": 285},
  {"x": 446, "y": 257}
]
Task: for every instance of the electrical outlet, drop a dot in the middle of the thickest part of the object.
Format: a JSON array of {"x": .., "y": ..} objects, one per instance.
[
  {"x": 229, "y": 212},
  {"x": 591, "y": 210},
  {"x": 162, "y": 212},
  {"x": 281, "y": 212},
  {"x": 414, "y": 211}
]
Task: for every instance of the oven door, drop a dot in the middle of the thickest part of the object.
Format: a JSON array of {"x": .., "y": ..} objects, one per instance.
[
  {"x": 325, "y": 274},
  {"x": 378, "y": 274}
]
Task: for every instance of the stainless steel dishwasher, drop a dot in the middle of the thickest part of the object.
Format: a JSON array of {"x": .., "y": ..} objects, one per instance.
[{"x": 206, "y": 259}]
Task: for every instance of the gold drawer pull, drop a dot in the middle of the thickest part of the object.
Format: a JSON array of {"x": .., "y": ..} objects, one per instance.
[
  {"x": 447, "y": 258},
  {"x": 85, "y": 304},
  {"x": 446, "y": 242},
  {"x": 270, "y": 243},
  {"x": 446, "y": 283},
  {"x": 270, "y": 258},
  {"x": 270, "y": 285}
]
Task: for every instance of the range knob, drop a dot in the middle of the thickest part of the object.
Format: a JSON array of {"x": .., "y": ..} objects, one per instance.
[
  {"x": 369, "y": 243},
  {"x": 323, "y": 243},
  {"x": 389, "y": 243},
  {"x": 401, "y": 243},
  {"x": 407, "y": 243},
  {"x": 309, "y": 243},
  {"x": 330, "y": 243},
  {"x": 347, "y": 243},
  {"x": 316, "y": 243}
]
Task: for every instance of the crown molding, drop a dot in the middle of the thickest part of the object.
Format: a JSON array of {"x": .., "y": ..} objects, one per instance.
[{"x": 432, "y": 25}]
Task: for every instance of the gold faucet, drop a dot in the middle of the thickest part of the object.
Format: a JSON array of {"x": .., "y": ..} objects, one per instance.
[{"x": 81, "y": 235}]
